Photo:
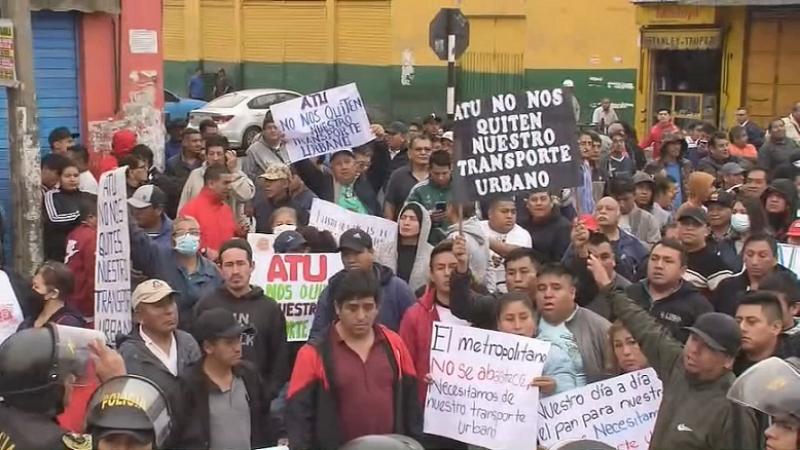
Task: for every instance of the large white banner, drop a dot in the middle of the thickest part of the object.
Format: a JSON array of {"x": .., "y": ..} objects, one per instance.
[
  {"x": 789, "y": 257},
  {"x": 480, "y": 392},
  {"x": 620, "y": 412},
  {"x": 295, "y": 282},
  {"x": 112, "y": 275},
  {"x": 323, "y": 122},
  {"x": 332, "y": 217},
  {"x": 10, "y": 311}
]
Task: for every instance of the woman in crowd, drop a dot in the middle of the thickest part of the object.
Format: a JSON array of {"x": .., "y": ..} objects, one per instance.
[
  {"x": 739, "y": 147},
  {"x": 625, "y": 354},
  {"x": 409, "y": 257},
  {"x": 780, "y": 203},
  {"x": 516, "y": 315},
  {"x": 748, "y": 218},
  {"x": 51, "y": 287},
  {"x": 673, "y": 158},
  {"x": 318, "y": 241},
  {"x": 62, "y": 212}
]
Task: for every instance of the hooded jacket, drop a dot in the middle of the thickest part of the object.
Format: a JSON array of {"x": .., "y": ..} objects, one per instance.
[
  {"x": 731, "y": 290},
  {"x": 674, "y": 312},
  {"x": 694, "y": 415},
  {"x": 139, "y": 360},
  {"x": 395, "y": 298},
  {"x": 550, "y": 236},
  {"x": 388, "y": 253},
  {"x": 259, "y": 156},
  {"x": 780, "y": 223},
  {"x": 477, "y": 246},
  {"x": 267, "y": 349},
  {"x": 311, "y": 417},
  {"x": 216, "y": 218}
]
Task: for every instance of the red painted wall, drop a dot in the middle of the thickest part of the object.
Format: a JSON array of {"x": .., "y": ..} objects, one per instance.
[{"x": 105, "y": 71}]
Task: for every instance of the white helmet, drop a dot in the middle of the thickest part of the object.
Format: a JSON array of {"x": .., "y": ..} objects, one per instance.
[{"x": 383, "y": 442}]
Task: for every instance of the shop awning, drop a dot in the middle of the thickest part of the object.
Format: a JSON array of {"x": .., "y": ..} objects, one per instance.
[
  {"x": 682, "y": 39},
  {"x": 87, "y": 6}
]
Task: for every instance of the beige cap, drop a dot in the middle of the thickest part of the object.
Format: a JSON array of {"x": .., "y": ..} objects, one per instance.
[
  {"x": 150, "y": 291},
  {"x": 277, "y": 172}
]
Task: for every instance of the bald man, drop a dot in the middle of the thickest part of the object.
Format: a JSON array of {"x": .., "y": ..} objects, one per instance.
[{"x": 630, "y": 254}]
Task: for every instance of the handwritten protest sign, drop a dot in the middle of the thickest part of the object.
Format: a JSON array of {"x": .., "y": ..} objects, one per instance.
[
  {"x": 323, "y": 122},
  {"x": 620, "y": 412},
  {"x": 261, "y": 243},
  {"x": 515, "y": 143},
  {"x": 10, "y": 311},
  {"x": 332, "y": 217},
  {"x": 295, "y": 282},
  {"x": 480, "y": 393},
  {"x": 789, "y": 257},
  {"x": 112, "y": 279}
]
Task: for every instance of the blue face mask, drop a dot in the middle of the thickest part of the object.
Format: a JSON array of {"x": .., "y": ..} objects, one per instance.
[{"x": 187, "y": 244}]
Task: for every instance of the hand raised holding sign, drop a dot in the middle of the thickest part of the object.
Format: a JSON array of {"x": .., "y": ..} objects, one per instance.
[
  {"x": 460, "y": 252},
  {"x": 231, "y": 160},
  {"x": 580, "y": 237},
  {"x": 546, "y": 385}
]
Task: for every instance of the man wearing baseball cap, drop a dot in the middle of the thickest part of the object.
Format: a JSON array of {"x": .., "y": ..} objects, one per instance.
[
  {"x": 705, "y": 269},
  {"x": 732, "y": 175},
  {"x": 290, "y": 242},
  {"x": 148, "y": 204},
  {"x": 156, "y": 349},
  {"x": 224, "y": 392},
  {"x": 720, "y": 211},
  {"x": 357, "y": 252},
  {"x": 695, "y": 376},
  {"x": 60, "y": 140},
  {"x": 276, "y": 191},
  {"x": 341, "y": 183}
]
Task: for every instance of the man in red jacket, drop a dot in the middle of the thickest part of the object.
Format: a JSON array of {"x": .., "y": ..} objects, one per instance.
[
  {"x": 80, "y": 258},
  {"x": 417, "y": 325},
  {"x": 217, "y": 223},
  {"x": 662, "y": 127},
  {"x": 354, "y": 379}
]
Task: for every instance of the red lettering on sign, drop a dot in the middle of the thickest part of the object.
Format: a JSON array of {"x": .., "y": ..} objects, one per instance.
[{"x": 293, "y": 268}]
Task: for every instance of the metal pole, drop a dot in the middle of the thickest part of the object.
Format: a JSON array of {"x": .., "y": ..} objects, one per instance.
[
  {"x": 23, "y": 134},
  {"x": 451, "y": 64}
]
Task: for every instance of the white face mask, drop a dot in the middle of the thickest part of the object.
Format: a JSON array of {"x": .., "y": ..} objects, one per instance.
[
  {"x": 281, "y": 228},
  {"x": 740, "y": 222}
]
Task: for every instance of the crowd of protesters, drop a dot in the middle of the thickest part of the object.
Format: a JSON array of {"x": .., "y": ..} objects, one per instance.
[{"x": 667, "y": 256}]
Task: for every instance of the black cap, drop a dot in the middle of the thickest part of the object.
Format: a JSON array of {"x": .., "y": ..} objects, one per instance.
[
  {"x": 60, "y": 133},
  {"x": 289, "y": 241},
  {"x": 719, "y": 331},
  {"x": 176, "y": 123},
  {"x": 218, "y": 323},
  {"x": 356, "y": 240},
  {"x": 696, "y": 214},
  {"x": 141, "y": 437},
  {"x": 723, "y": 198},
  {"x": 432, "y": 118}
]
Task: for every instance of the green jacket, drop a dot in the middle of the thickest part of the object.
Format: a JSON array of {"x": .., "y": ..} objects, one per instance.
[{"x": 693, "y": 415}]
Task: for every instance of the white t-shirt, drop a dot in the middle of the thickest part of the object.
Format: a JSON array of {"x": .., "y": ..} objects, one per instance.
[
  {"x": 170, "y": 360},
  {"x": 496, "y": 273},
  {"x": 87, "y": 182},
  {"x": 446, "y": 316}
]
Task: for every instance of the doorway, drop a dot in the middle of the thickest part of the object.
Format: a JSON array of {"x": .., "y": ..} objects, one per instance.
[{"x": 687, "y": 83}]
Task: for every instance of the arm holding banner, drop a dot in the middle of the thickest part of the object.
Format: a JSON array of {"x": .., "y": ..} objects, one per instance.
[
  {"x": 656, "y": 342},
  {"x": 242, "y": 188},
  {"x": 143, "y": 249},
  {"x": 480, "y": 310},
  {"x": 316, "y": 179}
]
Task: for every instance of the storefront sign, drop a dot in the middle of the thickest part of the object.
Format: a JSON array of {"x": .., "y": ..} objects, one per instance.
[
  {"x": 8, "y": 60},
  {"x": 672, "y": 14},
  {"x": 686, "y": 39}
]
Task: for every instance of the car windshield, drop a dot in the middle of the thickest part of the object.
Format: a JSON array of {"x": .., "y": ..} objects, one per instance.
[{"x": 226, "y": 101}]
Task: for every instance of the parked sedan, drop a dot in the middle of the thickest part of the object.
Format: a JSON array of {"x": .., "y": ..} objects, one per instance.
[
  {"x": 176, "y": 107},
  {"x": 239, "y": 114}
]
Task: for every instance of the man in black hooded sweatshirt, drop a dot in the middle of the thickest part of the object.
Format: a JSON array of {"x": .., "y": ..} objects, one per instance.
[
  {"x": 550, "y": 231},
  {"x": 780, "y": 203},
  {"x": 267, "y": 348}
]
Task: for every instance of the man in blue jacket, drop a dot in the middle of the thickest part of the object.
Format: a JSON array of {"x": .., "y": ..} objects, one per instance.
[{"x": 358, "y": 253}]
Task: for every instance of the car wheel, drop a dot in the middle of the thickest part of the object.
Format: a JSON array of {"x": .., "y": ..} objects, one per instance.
[{"x": 249, "y": 136}]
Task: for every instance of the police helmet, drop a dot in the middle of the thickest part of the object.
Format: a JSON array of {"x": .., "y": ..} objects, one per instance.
[
  {"x": 382, "y": 442},
  {"x": 28, "y": 362},
  {"x": 131, "y": 405},
  {"x": 771, "y": 386}
]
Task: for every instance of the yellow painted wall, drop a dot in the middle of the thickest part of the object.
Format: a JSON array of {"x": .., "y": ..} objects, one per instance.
[
  {"x": 182, "y": 30},
  {"x": 291, "y": 31},
  {"x": 583, "y": 34}
]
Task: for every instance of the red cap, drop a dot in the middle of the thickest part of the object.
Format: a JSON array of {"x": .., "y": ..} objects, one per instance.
[
  {"x": 122, "y": 142},
  {"x": 794, "y": 229},
  {"x": 589, "y": 222}
]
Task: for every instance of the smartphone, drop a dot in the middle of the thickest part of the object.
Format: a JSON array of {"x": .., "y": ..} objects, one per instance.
[{"x": 440, "y": 206}]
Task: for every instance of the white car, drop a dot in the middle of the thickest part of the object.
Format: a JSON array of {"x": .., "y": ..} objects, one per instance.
[{"x": 239, "y": 114}]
